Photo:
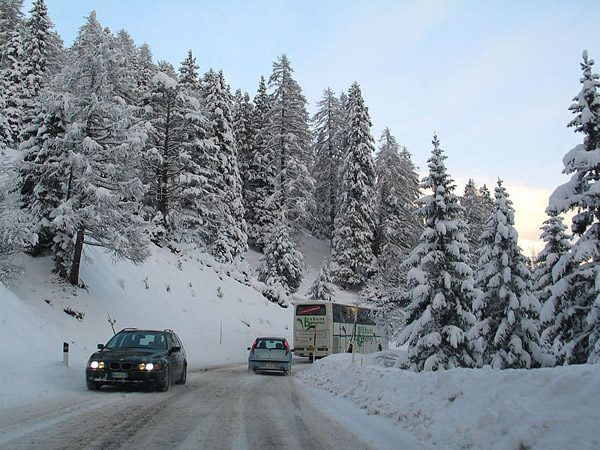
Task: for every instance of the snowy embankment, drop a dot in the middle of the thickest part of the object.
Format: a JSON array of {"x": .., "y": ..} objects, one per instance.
[
  {"x": 553, "y": 408},
  {"x": 215, "y": 309}
]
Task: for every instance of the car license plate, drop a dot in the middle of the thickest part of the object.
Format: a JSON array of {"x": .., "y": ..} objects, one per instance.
[
  {"x": 119, "y": 375},
  {"x": 270, "y": 366}
]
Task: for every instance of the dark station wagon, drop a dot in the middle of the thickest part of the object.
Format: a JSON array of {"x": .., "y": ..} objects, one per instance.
[{"x": 149, "y": 358}]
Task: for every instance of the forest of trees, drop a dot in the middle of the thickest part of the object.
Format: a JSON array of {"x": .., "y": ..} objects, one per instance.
[{"x": 102, "y": 146}]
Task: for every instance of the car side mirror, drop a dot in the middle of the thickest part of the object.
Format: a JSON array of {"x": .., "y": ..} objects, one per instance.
[
  {"x": 175, "y": 350},
  {"x": 100, "y": 346}
]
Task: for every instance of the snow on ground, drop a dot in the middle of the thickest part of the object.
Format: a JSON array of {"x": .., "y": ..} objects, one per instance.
[
  {"x": 553, "y": 408},
  {"x": 217, "y": 312}
]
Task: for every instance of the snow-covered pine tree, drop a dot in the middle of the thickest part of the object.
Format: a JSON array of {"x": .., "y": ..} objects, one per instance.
[
  {"x": 440, "y": 279},
  {"x": 398, "y": 228},
  {"x": 506, "y": 309},
  {"x": 243, "y": 126},
  {"x": 259, "y": 178},
  {"x": 478, "y": 206},
  {"x": 550, "y": 271},
  {"x": 86, "y": 181},
  {"x": 321, "y": 287},
  {"x": 188, "y": 74},
  {"x": 145, "y": 70},
  {"x": 281, "y": 264},
  {"x": 328, "y": 158},
  {"x": 558, "y": 244},
  {"x": 576, "y": 294},
  {"x": 226, "y": 223},
  {"x": 13, "y": 82},
  {"x": 39, "y": 50},
  {"x": 288, "y": 140},
  {"x": 352, "y": 259}
]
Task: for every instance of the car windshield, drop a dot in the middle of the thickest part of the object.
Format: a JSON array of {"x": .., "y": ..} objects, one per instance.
[
  {"x": 138, "y": 339},
  {"x": 270, "y": 344}
]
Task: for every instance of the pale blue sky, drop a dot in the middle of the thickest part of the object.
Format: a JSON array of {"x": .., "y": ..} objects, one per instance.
[{"x": 494, "y": 79}]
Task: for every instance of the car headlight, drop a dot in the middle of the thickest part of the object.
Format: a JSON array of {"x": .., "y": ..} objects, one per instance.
[
  {"x": 148, "y": 367},
  {"x": 96, "y": 365}
]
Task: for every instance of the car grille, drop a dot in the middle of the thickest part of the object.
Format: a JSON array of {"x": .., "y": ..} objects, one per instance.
[{"x": 120, "y": 365}]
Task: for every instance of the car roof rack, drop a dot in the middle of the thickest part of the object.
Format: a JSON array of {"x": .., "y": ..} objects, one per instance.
[
  {"x": 128, "y": 329},
  {"x": 168, "y": 330}
]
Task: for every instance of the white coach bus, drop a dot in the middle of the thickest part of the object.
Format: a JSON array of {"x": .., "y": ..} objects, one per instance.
[{"x": 322, "y": 328}]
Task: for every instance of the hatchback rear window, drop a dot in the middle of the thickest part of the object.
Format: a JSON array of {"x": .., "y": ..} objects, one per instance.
[{"x": 270, "y": 344}]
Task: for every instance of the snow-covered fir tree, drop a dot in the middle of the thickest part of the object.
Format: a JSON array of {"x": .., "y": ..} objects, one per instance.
[
  {"x": 398, "y": 228},
  {"x": 226, "y": 221},
  {"x": 176, "y": 161},
  {"x": 145, "y": 69},
  {"x": 575, "y": 334},
  {"x": 478, "y": 205},
  {"x": 40, "y": 50},
  {"x": 13, "y": 81},
  {"x": 558, "y": 244},
  {"x": 553, "y": 264},
  {"x": 321, "y": 288},
  {"x": 353, "y": 261},
  {"x": 288, "y": 140},
  {"x": 328, "y": 159},
  {"x": 506, "y": 309},
  {"x": 440, "y": 278},
  {"x": 188, "y": 73},
  {"x": 281, "y": 264},
  {"x": 259, "y": 177},
  {"x": 83, "y": 162},
  {"x": 245, "y": 135}
]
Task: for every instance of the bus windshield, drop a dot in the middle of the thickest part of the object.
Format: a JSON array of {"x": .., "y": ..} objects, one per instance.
[{"x": 310, "y": 310}]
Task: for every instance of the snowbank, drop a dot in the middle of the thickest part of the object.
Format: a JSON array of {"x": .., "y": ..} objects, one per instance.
[{"x": 553, "y": 408}]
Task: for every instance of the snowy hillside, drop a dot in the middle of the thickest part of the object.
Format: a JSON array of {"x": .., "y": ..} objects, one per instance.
[{"x": 217, "y": 314}]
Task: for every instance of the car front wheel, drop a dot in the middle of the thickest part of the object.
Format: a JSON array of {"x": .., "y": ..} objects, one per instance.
[{"x": 166, "y": 383}]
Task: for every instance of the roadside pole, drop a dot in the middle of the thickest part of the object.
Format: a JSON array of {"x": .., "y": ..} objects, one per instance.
[{"x": 66, "y": 354}]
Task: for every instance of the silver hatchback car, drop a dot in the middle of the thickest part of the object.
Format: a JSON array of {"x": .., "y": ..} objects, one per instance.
[{"x": 270, "y": 354}]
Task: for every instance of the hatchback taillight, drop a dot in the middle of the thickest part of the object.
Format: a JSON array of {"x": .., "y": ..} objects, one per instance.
[
  {"x": 254, "y": 346},
  {"x": 287, "y": 348}
]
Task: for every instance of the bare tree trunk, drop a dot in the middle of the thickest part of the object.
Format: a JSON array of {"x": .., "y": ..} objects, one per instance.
[{"x": 74, "y": 275}]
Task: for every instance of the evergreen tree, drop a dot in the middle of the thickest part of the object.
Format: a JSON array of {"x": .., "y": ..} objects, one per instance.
[
  {"x": 398, "y": 228},
  {"x": 243, "y": 125},
  {"x": 558, "y": 244},
  {"x": 13, "y": 81},
  {"x": 288, "y": 140},
  {"x": 506, "y": 309},
  {"x": 353, "y": 260},
  {"x": 176, "y": 162},
  {"x": 87, "y": 185},
  {"x": 281, "y": 264},
  {"x": 144, "y": 71},
  {"x": 188, "y": 74},
  {"x": 575, "y": 296},
  {"x": 478, "y": 206},
  {"x": 260, "y": 176},
  {"x": 328, "y": 158},
  {"x": 549, "y": 272},
  {"x": 440, "y": 279},
  {"x": 38, "y": 50},
  {"x": 321, "y": 288},
  {"x": 227, "y": 219}
]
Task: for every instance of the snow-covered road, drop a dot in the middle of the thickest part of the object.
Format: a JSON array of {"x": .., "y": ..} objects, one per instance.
[{"x": 223, "y": 407}]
